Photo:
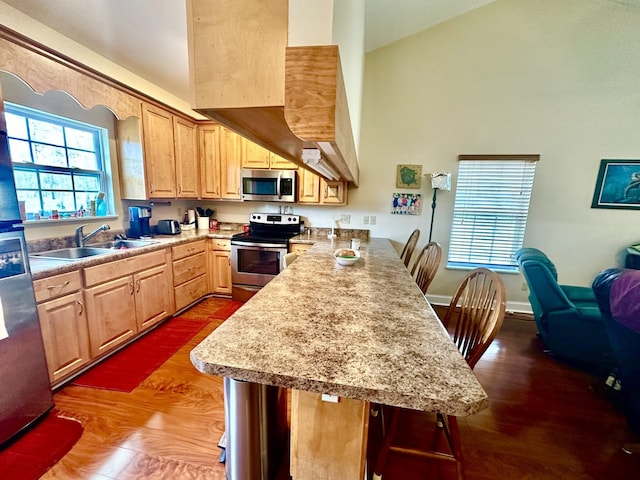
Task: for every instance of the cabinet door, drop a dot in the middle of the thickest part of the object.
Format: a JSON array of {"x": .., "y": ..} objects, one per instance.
[
  {"x": 186, "y": 151},
  {"x": 277, "y": 162},
  {"x": 230, "y": 164},
  {"x": 110, "y": 314},
  {"x": 209, "y": 153},
  {"x": 254, "y": 155},
  {"x": 334, "y": 193},
  {"x": 153, "y": 296},
  {"x": 160, "y": 162},
  {"x": 66, "y": 339},
  {"x": 220, "y": 268},
  {"x": 308, "y": 187},
  {"x": 299, "y": 248}
]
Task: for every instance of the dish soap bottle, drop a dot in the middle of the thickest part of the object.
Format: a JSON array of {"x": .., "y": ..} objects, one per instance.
[{"x": 101, "y": 205}]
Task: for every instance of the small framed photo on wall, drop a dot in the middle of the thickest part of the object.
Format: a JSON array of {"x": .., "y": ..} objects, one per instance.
[{"x": 408, "y": 176}]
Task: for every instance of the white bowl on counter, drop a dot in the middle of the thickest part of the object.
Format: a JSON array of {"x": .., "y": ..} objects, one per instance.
[{"x": 346, "y": 256}]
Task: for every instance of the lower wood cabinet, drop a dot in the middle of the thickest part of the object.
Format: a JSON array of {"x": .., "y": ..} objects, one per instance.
[
  {"x": 63, "y": 323},
  {"x": 189, "y": 273},
  {"x": 299, "y": 248},
  {"x": 219, "y": 266},
  {"x": 135, "y": 295}
]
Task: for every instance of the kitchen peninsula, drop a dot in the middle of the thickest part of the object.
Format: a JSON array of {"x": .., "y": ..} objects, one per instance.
[{"x": 364, "y": 333}]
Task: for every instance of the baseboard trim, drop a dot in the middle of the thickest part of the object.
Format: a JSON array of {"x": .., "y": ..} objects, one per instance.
[{"x": 515, "y": 307}]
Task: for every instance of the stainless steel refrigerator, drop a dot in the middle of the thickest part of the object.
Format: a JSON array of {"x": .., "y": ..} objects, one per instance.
[{"x": 25, "y": 391}]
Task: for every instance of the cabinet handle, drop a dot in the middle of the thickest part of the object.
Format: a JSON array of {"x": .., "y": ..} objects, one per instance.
[
  {"x": 131, "y": 287},
  {"x": 81, "y": 305},
  {"x": 62, "y": 285},
  {"x": 179, "y": 189},
  {"x": 138, "y": 285}
]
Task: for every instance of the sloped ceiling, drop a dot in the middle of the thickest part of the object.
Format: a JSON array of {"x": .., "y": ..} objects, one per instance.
[{"x": 148, "y": 37}]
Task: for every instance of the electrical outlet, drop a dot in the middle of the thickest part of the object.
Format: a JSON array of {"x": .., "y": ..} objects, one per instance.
[
  {"x": 524, "y": 287},
  {"x": 372, "y": 220},
  {"x": 345, "y": 219},
  {"x": 365, "y": 220}
]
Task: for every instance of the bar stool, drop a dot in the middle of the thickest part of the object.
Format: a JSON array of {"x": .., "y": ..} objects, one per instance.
[
  {"x": 409, "y": 247},
  {"x": 475, "y": 315}
]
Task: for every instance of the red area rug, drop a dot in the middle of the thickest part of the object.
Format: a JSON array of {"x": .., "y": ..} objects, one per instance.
[
  {"x": 125, "y": 370},
  {"x": 39, "y": 448},
  {"x": 227, "y": 310}
]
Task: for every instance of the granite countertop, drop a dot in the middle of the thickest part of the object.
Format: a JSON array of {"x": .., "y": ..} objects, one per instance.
[
  {"x": 46, "y": 267},
  {"x": 363, "y": 331}
]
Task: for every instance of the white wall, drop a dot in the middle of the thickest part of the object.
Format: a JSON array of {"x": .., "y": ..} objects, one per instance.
[{"x": 553, "y": 77}]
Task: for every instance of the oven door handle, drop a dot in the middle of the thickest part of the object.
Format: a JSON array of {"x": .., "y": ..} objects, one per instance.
[{"x": 259, "y": 245}]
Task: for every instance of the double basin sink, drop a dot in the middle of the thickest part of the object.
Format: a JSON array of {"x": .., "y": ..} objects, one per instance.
[{"x": 77, "y": 253}]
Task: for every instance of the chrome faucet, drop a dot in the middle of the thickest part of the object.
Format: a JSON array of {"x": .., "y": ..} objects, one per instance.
[{"x": 81, "y": 238}]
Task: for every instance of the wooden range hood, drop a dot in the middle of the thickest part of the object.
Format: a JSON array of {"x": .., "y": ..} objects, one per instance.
[{"x": 286, "y": 99}]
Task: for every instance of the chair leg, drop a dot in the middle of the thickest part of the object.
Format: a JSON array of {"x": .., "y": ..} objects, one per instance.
[
  {"x": 456, "y": 446},
  {"x": 386, "y": 446}
]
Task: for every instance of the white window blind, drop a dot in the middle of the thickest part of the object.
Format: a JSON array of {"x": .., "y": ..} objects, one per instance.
[{"x": 490, "y": 211}]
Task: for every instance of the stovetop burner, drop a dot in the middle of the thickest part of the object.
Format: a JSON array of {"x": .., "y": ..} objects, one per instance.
[{"x": 270, "y": 228}]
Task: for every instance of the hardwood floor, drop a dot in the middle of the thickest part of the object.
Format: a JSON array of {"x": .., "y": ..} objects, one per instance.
[{"x": 546, "y": 420}]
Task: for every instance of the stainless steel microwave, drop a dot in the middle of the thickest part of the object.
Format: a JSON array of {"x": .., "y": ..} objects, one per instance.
[{"x": 269, "y": 185}]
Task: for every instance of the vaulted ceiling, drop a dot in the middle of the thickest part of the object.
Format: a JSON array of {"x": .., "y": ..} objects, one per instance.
[{"x": 148, "y": 37}]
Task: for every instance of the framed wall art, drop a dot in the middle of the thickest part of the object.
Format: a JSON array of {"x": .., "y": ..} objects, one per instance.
[
  {"x": 617, "y": 185},
  {"x": 406, "y": 204},
  {"x": 408, "y": 176}
]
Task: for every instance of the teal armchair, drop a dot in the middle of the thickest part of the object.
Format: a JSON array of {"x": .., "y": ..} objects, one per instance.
[{"x": 568, "y": 318}]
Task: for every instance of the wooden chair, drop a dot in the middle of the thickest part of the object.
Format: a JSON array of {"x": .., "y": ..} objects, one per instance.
[
  {"x": 473, "y": 319},
  {"x": 426, "y": 266},
  {"x": 409, "y": 247},
  {"x": 289, "y": 258}
]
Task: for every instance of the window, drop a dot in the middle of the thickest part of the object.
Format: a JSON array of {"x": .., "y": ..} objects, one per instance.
[
  {"x": 490, "y": 211},
  {"x": 57, "y": 162}
]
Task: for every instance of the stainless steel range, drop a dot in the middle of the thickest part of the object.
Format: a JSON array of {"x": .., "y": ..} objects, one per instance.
[{"x": 257, "y": 256}]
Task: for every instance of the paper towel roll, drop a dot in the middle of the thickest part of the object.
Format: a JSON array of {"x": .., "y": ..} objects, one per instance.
[{"x": 191, "y": 216}]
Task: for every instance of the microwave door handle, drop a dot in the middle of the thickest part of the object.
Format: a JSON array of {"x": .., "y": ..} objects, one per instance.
[{"x": 278, "y": 192}]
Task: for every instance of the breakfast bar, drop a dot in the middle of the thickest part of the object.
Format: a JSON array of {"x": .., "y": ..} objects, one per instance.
[{"x": 358, "y": 334}]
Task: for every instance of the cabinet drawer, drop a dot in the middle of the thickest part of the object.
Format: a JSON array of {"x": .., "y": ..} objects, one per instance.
[
  {"x": 188, "y": 249},
  {"x": 220, "y": 244},
  {"x": 121, "y": 268},
  {"x": 189, "y": 268},
  {"x": 299, "y": 248},
  {"x": 56, "y": 286},
  {"x": 190, "y": 291}
]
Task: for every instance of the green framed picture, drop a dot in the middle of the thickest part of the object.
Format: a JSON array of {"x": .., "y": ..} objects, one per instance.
[{"x": 408, "y": 176}]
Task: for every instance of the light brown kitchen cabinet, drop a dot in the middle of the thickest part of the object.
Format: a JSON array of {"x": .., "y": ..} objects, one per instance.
[
  {"x": 254, "y": 155},
  {"x": 299, "y": 248},
  {"x": 220, "y": 162},
  {"x": 159, "y": 154},
  {"x": 219, "y": 266},
  {"x": 187, "y": 165},
  {"x": 277, "y": 162},
  {"x": 189, "y": 273},
  {"x": 209, "y": 153},
  {"x": 230, "y": 164},
  {"x": 63, "y": 324},
  {"x": 124, "y": 297},
  {"x": 315, "y": 190}
]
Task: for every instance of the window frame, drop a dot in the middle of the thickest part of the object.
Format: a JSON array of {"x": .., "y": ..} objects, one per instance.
[
  {"x": 475, "y": 199},
  {"x": 101, "y": 175}
]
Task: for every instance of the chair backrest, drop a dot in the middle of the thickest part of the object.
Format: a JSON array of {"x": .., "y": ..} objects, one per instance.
[
  {"x": 289, "y": 258},
  {"x": 426, "y": 266},
  {"x": 478, "y": 308},
  {"x": 409, "y": 247}
]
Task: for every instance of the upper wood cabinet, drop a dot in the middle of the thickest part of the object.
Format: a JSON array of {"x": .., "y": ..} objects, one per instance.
[
  {"x": 220, "y": 162},
  {"x": 256, "y": 156},
  {"x": 315, "y": 190},
  {"x": 185, "y": 138},
  {"x": 159, "y": 154}
]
